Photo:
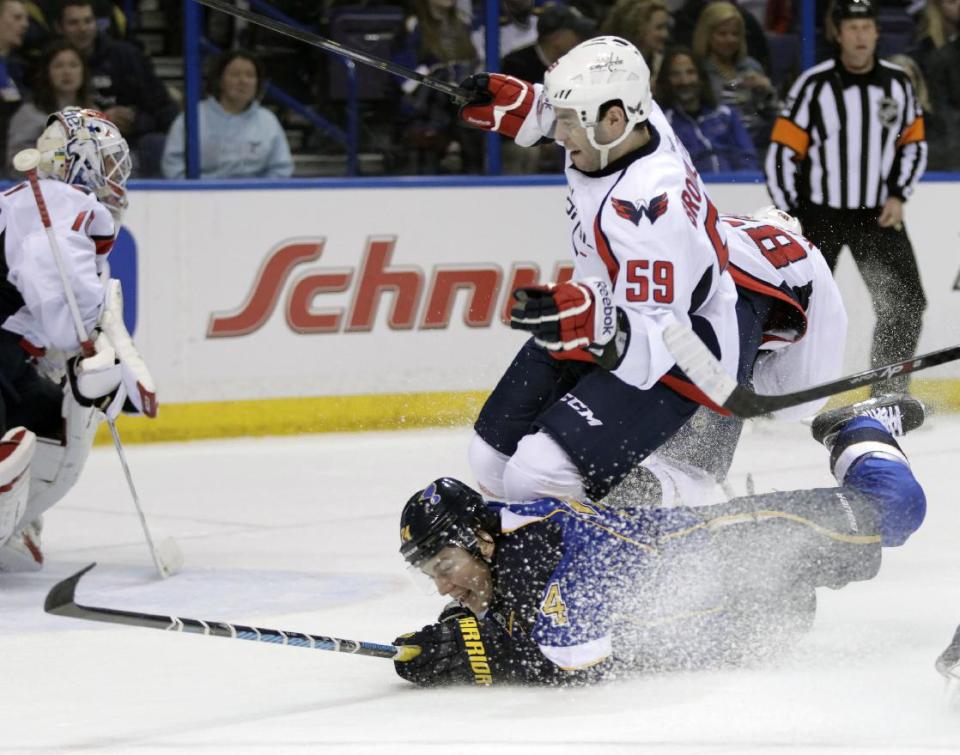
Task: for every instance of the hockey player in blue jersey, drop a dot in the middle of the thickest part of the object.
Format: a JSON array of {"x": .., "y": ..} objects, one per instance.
[{"x": 557, "y": 591}]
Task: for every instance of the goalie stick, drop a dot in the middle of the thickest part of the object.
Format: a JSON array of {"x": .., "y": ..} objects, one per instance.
[
  {"x": 60, "y": 602},
  {"x": 460, "y": 95},
  {"x": 705, "y": 371}
]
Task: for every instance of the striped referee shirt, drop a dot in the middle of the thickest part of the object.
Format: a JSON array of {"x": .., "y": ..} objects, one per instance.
[{"x": 847, "y": 140}]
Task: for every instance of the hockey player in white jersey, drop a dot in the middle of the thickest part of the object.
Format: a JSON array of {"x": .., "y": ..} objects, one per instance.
[
  {"x": 783, "y": 283},
  {"x": 53, "y": 391},
  {"x": 595, "y": 390}
]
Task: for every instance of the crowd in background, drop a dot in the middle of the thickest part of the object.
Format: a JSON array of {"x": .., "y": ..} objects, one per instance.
[{"x": 721, "y": 70}]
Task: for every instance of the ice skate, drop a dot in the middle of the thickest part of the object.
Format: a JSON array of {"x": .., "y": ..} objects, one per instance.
[{"x": 899, "y": 413}]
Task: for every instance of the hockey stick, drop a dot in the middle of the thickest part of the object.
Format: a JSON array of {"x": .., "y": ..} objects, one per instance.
[
  {"x": 60, "y": 602},
  {"x": 695, "y": 359},
  {"x": 167, "y": 556},
  {"x": 459, "y": 94}
]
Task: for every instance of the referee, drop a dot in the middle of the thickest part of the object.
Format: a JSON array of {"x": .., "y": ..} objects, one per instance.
[{"x": 845, "y": 154}]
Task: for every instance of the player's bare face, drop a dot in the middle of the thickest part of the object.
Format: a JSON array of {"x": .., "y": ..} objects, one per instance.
[
  {"x": 857, "y": 38},
  {"x": 573, "y": 136},
  {"x": 463, "y": 577}
]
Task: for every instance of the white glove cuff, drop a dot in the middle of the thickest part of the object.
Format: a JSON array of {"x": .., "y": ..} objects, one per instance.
[{"x": 539, "y": 121}]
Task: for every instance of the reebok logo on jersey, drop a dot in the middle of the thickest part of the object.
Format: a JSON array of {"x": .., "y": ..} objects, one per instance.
[{"x": 635, "y": 212}]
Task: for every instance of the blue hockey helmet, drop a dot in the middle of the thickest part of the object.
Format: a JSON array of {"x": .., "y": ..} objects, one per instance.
[{"x": 446, "y": 512}]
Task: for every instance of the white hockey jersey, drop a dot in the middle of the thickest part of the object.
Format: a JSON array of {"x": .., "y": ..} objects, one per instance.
[
  {"x": 646, "y": 225},
  {"x": 32, "y": 299},
  {"x": 806, "y": 332}
]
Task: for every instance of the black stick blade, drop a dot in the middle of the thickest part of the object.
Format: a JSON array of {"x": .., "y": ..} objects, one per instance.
[{"x": 60, "y": 598}]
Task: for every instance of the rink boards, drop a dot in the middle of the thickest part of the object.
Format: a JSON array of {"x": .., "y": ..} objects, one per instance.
[{"x": 304, "y": 307}]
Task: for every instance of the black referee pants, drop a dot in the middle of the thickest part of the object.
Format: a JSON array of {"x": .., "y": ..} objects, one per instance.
[{"x": 886, "y": 261}]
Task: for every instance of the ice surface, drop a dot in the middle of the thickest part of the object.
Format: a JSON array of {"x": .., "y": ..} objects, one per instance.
[{"x": 301, "y": 534}]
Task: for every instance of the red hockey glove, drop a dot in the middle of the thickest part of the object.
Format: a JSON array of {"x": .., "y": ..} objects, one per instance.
[
  {"x": 565, "y": 320},
  {"x": 501, "y": 103}
]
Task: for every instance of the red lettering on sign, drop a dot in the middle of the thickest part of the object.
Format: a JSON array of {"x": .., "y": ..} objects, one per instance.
[
  {"x": 375, "y": 280},
  {"x": 300, "y": 317},
  {"x": 484, "y": 285},
  {"x": 266, "y": 289}
]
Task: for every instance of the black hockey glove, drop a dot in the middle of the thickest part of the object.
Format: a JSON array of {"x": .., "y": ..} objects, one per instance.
[{"x": 468, "y": 650}]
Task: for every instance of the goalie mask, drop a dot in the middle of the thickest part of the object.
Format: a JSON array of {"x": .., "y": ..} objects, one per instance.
[
  {"x": 83, "y": 147},
  {"x": 446, "y": 512},
  {"x": 594, "y": 73}
]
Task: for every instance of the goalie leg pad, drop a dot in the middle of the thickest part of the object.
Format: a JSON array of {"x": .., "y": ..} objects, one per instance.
[
  {"x": 17, "y": 448},
  {"x": 58, "y": 464}
]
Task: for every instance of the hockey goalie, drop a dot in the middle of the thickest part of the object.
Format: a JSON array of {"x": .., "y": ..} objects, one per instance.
[{"x": 56, "y": 386}]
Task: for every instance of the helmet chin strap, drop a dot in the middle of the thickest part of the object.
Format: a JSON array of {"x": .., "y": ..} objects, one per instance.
[{"x": 604, "y": 149}]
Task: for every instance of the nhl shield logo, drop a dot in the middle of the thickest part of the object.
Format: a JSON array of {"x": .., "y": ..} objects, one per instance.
[{"x": 888, "y": 111}]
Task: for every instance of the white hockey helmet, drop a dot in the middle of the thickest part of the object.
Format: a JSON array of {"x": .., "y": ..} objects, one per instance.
[
  {"x": 83, "y": 147},
  {"x": 595, "y": 72},
  {"x": 775, "y": 216}
]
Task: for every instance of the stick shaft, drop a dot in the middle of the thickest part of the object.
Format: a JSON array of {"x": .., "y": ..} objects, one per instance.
[
  {"x": 162, "y": 568},
  {"x": 86, "y": 345},
  {"x": 460, "y": 95},
  {"x": 60, "y": 602},
  {"x": 704, "y": 369}
]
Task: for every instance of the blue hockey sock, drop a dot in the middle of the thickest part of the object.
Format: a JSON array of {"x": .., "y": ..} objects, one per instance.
[{"x": 867, "y": 458}]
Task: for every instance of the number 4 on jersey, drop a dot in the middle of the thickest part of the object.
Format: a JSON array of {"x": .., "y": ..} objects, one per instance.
[{"x": 553, "y": 606}]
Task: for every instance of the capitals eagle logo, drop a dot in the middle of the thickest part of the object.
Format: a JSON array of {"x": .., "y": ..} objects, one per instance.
[{"x": 635, "y": 212}]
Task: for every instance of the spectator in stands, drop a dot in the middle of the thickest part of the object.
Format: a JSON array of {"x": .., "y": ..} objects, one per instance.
[
  {"x": 125, "y": 86},
  {"x": 560, "y": 28},
  {"x": 685, "y": 22},
  {"x": 646, "y": 23},
  {"x": 518, "y": 28},
  {"x": 61, "y": 80},
  {"x": 939, "y": 24},
  {"x": 13, "y": 25},
  {"x": 238, "y": 137},
  {"x": 737, "y": 79},
  {"x": 712, "y": 133},
  {"x": 109, "y": 15},
  {"x": 941, "y": 155},
  {"x": 943, "y": 76},
  {"x": 437, "y": 42}
]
